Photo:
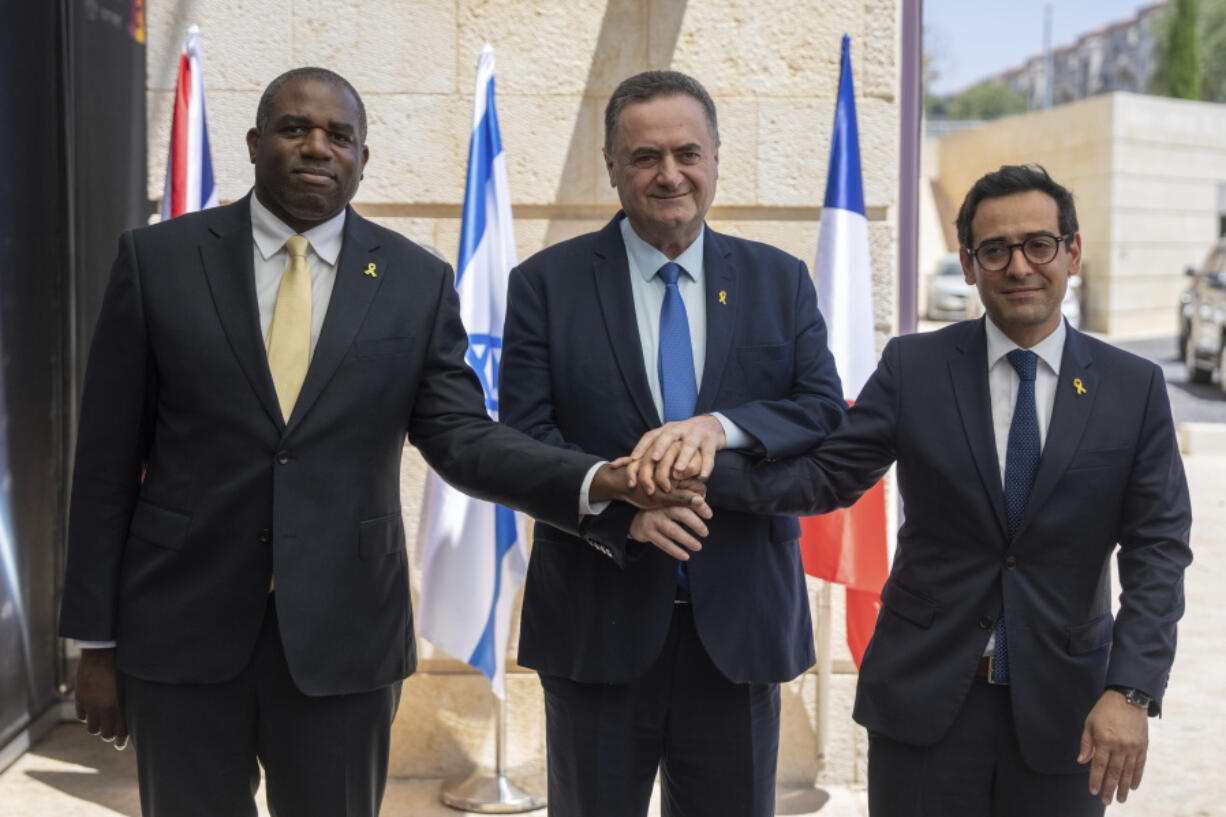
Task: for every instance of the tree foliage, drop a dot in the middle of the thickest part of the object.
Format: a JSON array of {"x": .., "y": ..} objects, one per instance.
[
  {"x": 1213, "y": 50},
  {"x": 987, "y": 100},
  {"x": 1177, "y": 64}
]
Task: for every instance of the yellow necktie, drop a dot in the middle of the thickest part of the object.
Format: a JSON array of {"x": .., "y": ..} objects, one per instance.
[{"x": 289, "y": 336}]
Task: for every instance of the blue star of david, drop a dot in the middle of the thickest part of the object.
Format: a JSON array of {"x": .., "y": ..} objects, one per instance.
[{"x": 484, "y": 352}]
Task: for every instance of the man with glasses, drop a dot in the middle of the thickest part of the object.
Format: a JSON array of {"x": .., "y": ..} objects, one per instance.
[{"x": 997, "y": 681}]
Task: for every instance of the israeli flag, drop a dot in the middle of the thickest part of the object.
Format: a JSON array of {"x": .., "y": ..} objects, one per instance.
[{"x": 475, "y": 554}]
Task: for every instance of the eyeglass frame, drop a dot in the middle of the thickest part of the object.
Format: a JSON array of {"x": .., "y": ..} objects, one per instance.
[{"x": 1021, "y": 245}]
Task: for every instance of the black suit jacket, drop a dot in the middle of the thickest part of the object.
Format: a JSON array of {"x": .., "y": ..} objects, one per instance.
[
  {"x": 175, "y": 565},
  {"x": 1110, "y": 475},
  {"x": 597, "y": 607}
]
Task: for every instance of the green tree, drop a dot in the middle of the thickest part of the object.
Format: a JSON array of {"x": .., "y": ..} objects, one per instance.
[
  {"x": 987, "y": 100},
  {"x": 1213, "y": 50},
  {"x": 1177, "y": 66}
]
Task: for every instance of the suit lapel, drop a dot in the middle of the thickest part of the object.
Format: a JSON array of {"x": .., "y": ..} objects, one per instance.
[
  {"x": 1069, "y": 414},
  {"x": 721, "y": 292},
  {"x": 968, "y": 371},
  {"x": 612, "y": 275},
  {"x": 227, "y": 255},
  {"x": 352, "y": 295}
]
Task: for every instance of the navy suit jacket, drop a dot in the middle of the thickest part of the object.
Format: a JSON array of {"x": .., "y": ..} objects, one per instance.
[
  {"x": 190, "y": 491},
  {"x": 1110, "y": 475},
  {"x": 597, "y": 607}
]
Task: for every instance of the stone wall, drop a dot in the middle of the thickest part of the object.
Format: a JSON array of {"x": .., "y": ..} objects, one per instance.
[
  {"x": 772, "y": 67},
  {"x": 1146, "y": 173}
]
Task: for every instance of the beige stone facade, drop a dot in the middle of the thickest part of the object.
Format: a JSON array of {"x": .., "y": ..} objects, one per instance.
[
  {"x": 772, "y": 67},
  {"x": 1149, "y": 176}
]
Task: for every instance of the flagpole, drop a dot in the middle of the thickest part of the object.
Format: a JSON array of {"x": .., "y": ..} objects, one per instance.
[
  {"x": 495, "y": 793},
  {"x": 824, "y": 611},
  {"x": 487, "y": 255}
]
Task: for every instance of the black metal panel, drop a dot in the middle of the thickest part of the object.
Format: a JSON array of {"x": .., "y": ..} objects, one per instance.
[
  {"x": 33, "y": 268},
  {"x": 72, "y": 79}
]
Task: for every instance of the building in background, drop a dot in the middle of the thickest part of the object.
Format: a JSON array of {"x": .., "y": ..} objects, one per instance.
[{"x": 1116, "y": 57}]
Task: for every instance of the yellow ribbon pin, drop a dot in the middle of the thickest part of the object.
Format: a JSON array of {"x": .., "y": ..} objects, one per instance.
[
  {"x": 1077, "y": 385},
  {"x": 723, "y": 297},
  {"x": 370, "y": 270}
]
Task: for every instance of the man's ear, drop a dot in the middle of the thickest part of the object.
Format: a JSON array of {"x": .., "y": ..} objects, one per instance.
[
  {"x": 1074, "y": 252},
  {"x": 968, "y": 266},
  {"x": 253, "y": 141},
  {"x": 608, "y": 166}
]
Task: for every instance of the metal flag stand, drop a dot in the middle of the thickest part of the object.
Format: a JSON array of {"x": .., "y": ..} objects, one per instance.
[{"x": 495, "y": 793}]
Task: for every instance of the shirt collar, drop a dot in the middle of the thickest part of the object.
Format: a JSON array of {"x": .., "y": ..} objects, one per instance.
[
  {"x": 647, "y": 260},
  {"x": 1049, "y": 349},
  {"x": 270, "y": 233}
]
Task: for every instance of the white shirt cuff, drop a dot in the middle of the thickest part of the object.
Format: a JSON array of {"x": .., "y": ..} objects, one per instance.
[
  {"x": 735, "y": 437},
  {"x": 586, "y": 508},
  {"x": 94, "y": 645}
]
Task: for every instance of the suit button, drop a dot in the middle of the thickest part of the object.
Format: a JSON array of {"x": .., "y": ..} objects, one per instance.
[
  {"x": 1011, "y": 563},
  {"x": 265, "y": 536},
  {"x": 986, "y": 622},
  {"x": 283, "y": 457}
]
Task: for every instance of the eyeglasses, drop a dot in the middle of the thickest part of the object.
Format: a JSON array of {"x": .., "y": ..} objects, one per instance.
[{"x": 1038, "y": 250}]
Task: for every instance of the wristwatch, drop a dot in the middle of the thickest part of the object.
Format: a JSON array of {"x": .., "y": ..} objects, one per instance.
[{"x": 1134, "y": 696}]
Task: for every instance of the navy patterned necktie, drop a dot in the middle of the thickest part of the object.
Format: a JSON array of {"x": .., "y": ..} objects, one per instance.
[
  {"x": 1021, "y": 464},
  {"x": 675, "y": 364}
]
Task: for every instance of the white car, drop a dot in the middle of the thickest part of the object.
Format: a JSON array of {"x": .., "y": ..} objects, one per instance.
[{"x": 948, "y": 291}]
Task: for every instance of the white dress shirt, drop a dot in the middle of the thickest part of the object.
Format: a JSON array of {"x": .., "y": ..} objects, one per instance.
[
  {"x": 271, "y": 258},
  {"x": 1003, "y": 383}
]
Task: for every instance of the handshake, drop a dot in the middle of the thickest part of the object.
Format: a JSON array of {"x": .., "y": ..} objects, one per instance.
[{"x": 665, "y": 477}]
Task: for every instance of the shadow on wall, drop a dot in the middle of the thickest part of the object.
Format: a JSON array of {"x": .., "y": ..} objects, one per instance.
[{"x": 661, "y": 30}]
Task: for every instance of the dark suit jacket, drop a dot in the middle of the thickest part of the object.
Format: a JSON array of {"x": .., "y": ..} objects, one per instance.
[
  {"x": 597, "y": 608},
  {"x": 1110, "y": 474},
  {"x": 176, "y": 567}
]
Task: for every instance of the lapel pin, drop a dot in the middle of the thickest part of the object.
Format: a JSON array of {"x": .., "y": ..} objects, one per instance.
[
  {"x": 1078, "y": 386},
  {"x": 370, "y": 270},
  {"x": 723, "y": 297}
]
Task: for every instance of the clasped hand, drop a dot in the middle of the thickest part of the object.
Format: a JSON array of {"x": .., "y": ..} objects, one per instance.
[{"x": 673, "y": 456}]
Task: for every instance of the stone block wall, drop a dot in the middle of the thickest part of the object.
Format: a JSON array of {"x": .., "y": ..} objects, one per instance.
[{"x": 772, "y": 67}]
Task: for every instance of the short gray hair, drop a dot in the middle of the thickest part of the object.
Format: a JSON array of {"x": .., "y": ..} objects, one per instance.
[
  {"x": 649, "y": 85},
  {"x": 264, "y": 111}
]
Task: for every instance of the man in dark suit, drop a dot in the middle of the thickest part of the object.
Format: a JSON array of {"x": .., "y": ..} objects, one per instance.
[
  {"x": 997, "y": 681},
  {"x": 656, "y": 318},
  {"x": 254, "y": 373}
]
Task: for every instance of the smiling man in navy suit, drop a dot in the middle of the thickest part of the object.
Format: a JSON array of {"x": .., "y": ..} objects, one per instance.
[
  {"x": 998, "y": 682},
  {"x": 657, "y": 650}
]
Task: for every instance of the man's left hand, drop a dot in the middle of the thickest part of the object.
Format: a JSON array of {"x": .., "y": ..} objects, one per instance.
[
  {"x": 675, "y": 448},
  {"x": 1116, "y": 738}
]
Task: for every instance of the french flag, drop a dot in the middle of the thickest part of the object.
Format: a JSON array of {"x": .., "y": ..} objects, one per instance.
[
  {"x": 189, "y": 168},
  {"x": 848, "y": 546},
  {"x": 475, "y": 554}
]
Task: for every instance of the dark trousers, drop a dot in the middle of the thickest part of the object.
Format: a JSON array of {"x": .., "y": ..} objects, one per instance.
[
  {"x": 714, "y": 742},
  {"x": 197, "y": 745},
  {"x": 975, "y": 770}
]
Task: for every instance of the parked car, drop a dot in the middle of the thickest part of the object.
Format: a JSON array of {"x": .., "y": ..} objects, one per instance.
[
  {"x": 947, "y": 290},
  {"x": 1204, "y": 343}
]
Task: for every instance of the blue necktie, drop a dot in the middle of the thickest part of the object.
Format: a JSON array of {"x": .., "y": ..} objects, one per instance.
[
  {"x": 1021, "y": 464},
  {"x": 675, "y": 364}
]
